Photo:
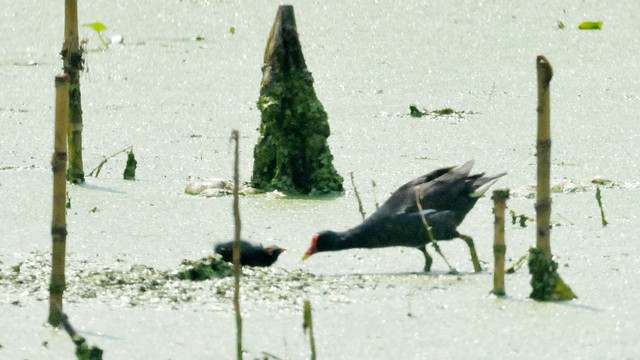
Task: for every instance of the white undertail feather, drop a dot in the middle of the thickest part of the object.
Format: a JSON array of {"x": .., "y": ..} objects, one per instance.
[{"x": 482, "y": 189}]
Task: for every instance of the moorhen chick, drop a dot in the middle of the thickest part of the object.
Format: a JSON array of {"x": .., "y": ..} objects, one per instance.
[
  {"x": 250, "y": 255},
  {"x": 446, "y": 196}
]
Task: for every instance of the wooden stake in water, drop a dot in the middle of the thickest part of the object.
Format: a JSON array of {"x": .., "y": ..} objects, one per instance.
[
  {"x": 543, "y": 193},
  {"x": 308, "y": 324},
  {"x": 59, "y": 218},
  {"x": 545, "y": 281},
  {"x": 237, "y": 268},
  {"x": 499, "y": 247},
  {"x": 73, "y": 63}
]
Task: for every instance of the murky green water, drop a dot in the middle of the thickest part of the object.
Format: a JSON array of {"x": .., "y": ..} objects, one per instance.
[{"x": 176, "y": 99}]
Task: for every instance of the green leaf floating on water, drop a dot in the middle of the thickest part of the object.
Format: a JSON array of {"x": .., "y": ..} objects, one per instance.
[
  {"x": 590, "y": 25},
  {"x": 98, "y": 27}
]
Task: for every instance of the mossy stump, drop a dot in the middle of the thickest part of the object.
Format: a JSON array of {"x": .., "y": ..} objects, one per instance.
[
  {"x": 292, "y": 154},
  {"x": 546, "y": 283}
]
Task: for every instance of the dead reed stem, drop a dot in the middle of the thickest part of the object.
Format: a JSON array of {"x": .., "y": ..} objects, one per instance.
[
  {"x": 59, "y": 218},
  {"x": 237, "y": 268},
  {"x": 308, "y": 324},
  {"x": 355, "y": 191}
]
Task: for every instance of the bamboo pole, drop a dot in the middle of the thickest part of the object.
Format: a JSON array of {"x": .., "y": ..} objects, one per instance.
[
  {"x": 545, "y": 281},
  {"x": 499, "y": 247},
  {"x": 59, "y": 221},
  {"x": 73, "y": 64},
  {"x": 543, "y": 193},
  {"x": 308, "y": 324},
  {"x": 237, "y": 267}
]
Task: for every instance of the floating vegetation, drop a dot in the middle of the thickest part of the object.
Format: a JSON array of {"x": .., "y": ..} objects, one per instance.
[
  {"x": 415, "y": 112},
  {"x": 560, "y": 25},
  {"x": 590, "y": 25},
  {"x": 206, "y": 268},
  {"x": 98, "y": 27},
  {"x": 520, "y": 219},
  {"x": 599, "y": 199},
  {"x": 131, "y": 163}
]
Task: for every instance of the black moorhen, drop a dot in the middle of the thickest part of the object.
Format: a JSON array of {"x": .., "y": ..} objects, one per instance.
[
  {"x": 250, "y": 255},
  {"x": 447, "y": 195}
]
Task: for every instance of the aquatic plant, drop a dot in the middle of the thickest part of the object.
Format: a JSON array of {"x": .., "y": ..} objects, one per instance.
[
  {"x": 211, "y": 267},
  {"x": 520, "y": 218},
  {"x": 98, "y": 27},
  {"x": 415, "y": 112},
  {"x": 130, "y": 168},
  {"x": 599, "y": 199},
  {"x": 590, "y": 25}
]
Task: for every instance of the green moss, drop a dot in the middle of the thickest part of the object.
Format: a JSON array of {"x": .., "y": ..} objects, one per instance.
[
  {"x": 206, "y": 268},
  {"x": 545, "y": 281},
  {"x": 292, "y": 153}
]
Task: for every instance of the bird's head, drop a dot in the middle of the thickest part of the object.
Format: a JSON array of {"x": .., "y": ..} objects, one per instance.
[
  {"x": 322, "y": 241},
  {"x": 274, "y": 251}
]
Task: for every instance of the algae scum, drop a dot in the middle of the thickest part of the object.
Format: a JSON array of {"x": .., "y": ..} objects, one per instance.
[{"x": 206, "y": 283}]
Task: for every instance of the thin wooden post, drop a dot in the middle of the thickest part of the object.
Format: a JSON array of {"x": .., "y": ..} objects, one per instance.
[
  {"x": 545, "y": 281},
  {"x": 73, "y": 63},
  {"x": 499, "y": 247},
  {"x": 543, "y": 192},
  {"x": 237, "y": 267},
  {"x": 59, "y": 218}
]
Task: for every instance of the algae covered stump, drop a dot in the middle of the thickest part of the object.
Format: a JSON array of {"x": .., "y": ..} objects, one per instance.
[{"x": 292, "y": 153}]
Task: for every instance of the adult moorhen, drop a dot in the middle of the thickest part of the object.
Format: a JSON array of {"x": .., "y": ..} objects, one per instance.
[
  {"x": 250, "y": 255},
  {"x": 446, "y": 196}
]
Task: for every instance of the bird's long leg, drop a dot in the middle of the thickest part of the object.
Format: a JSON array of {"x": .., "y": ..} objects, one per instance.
[
  {"x": 428, "y": 260},
  {"x": 472, "y": 249}
]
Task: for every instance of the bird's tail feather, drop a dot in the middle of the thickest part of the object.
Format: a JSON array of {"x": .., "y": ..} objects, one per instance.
[{"x": 484, "y": 183}]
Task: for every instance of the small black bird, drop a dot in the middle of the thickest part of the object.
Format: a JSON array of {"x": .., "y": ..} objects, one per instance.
[
  {"x": 250, "y": 255},
  {"x": 446, "y": 196}
]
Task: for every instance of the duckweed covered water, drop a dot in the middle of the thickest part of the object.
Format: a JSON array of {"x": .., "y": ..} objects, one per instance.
[{"x": 181, "y": 81}]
